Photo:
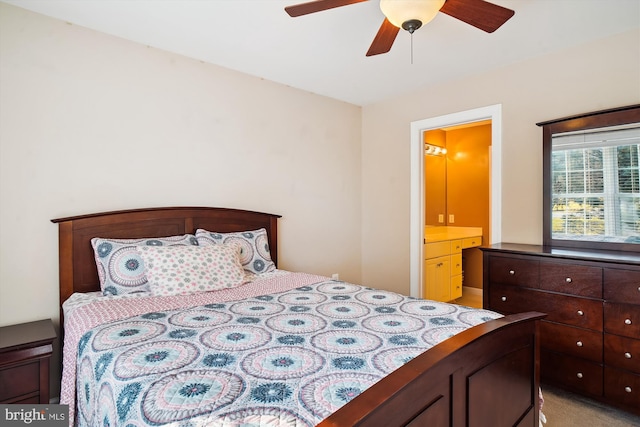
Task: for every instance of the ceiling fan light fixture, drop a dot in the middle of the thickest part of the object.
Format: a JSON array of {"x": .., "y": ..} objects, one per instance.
[
  {"x": 405, "y": 13},
  {"x": 411, "y": 25}
]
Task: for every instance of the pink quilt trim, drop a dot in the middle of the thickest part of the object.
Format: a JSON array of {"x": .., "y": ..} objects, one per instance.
[{"x": 80, "y": 320}]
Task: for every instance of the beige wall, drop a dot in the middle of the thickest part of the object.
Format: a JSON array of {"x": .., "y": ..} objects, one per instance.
[
  {"x": 596, "y": 76},
  {"x": 91, "y": 123}
]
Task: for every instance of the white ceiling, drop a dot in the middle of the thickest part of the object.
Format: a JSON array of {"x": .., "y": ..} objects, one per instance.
[{"x": 324, "y": 53}]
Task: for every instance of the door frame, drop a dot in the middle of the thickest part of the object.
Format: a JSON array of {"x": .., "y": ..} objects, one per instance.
[{"x": 417, "y": 211}]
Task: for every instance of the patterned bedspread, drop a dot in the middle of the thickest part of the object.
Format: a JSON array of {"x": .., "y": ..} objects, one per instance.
[{"x": 286, "y": 358}]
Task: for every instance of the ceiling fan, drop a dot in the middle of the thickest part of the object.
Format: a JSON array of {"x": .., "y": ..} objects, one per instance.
[{"x": 412, "y": 14}]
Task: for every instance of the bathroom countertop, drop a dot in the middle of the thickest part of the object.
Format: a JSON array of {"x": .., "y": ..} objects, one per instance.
[{"x": 442, "y": 233}]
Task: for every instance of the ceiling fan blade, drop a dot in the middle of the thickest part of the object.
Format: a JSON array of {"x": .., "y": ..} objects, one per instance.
[
  {"x": 479, "y": 13},
  {"x": 384, "y": 39},
  {"x": 317, "y": 6}
]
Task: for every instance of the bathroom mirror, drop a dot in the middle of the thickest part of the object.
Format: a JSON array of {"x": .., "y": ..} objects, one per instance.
[
  {"x": 457, "y": 175},
  {"x": 435, "y": 178}
]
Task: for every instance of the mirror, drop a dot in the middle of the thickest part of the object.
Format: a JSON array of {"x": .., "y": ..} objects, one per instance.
[
  {"x": 457, "y": 174},
  {"x": 592, "y": 180},
  {"x": 435, "y": 178}
]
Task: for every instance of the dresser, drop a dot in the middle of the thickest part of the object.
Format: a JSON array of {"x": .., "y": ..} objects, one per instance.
[
  {"x": 590, "y": 339},
  {"x": 25, "y": 354}
]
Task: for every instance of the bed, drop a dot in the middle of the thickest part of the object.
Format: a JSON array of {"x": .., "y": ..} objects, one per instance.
[{"x": 324, "y": 362}]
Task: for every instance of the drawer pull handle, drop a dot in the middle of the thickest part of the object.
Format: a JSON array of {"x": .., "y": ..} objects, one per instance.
[
  {"x": 503, "y": 298},
  {"x": 512, "y": 272},
  {"x": 627, "y": 389},
  {"x": 627, "y": 355},
  {"x": 579, "y": 343},
  {"x": 579, "y": 375},
  {"x": 580, "y": 313},
  {"x": 568, "y": 280},
  {"x": 627, "y": 321}
]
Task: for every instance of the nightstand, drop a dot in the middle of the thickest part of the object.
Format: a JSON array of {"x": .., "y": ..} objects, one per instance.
[{"x": 25, "y": 354}]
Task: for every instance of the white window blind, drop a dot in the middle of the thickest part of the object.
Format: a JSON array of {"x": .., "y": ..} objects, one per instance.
[{"x": 596, "y": 185}]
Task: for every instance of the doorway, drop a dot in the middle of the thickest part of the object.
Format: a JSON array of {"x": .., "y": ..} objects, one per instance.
[{"x": 417, "y": 205}]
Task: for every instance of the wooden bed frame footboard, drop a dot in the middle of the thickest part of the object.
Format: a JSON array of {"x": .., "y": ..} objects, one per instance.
[{"x": 485, "y": 376}]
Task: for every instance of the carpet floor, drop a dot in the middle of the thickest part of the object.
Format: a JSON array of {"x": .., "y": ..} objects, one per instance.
[{"x": 565, "y": 409}]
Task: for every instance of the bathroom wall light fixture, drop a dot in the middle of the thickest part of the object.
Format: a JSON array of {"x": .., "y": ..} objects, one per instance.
[{"x": 434, "y": 150}]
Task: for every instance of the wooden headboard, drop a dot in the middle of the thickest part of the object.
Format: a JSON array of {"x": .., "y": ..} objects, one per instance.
[{"x": 78, "y": 272}]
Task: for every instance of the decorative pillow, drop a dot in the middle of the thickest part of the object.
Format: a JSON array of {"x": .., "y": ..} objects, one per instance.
[
  {"x": 120, "y": 268},
  {"x": 254, "y": 247},
  {"x": 177, "y": 270}
]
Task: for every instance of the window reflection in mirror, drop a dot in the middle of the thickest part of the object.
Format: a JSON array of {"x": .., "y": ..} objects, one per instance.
[
  {"x": 592, "y": 181},
  {"x": 595, "y": 185}
]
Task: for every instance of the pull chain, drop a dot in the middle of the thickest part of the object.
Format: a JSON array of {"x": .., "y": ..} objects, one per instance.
[{"x": 411, "y": 25}]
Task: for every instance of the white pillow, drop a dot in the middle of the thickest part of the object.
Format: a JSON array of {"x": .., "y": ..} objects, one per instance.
[
  {"x": 254, "y": 247},
  {"x": 178, "y": 270},
  {"x": 120, "y": 269}
]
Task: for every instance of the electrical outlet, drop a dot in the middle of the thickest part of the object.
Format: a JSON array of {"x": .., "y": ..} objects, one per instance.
[
  {"x": 335, "y": 276},
  {"x": 451, "y": 219},
  {"x": 440, "y": 218}
]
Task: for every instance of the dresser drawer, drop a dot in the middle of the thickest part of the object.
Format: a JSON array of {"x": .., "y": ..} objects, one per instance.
[
  {"x": 572, "y": 341},
  {"x": 575, "y": 311},
  {"x": 621, "y": 352},
  {"x": 622, "y": 319},
  {"x": 571, "y": 279},
  {"x": 622, "y": 285},
  {"x": 578, "y": 374},
  {"x": 511, "y": 299},
  {"x": 19, "y": 380},
  {"x": 514, "y": 271},
  {"x": 27, "y": 400},
  {"x": 622, "y": 387}
]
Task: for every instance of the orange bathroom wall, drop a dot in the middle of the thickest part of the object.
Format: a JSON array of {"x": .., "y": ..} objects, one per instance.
[
  {"x": 468, "y": 190},
  {"x": 468, "y": 171}
]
